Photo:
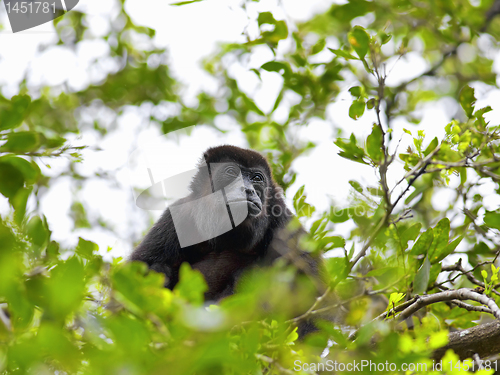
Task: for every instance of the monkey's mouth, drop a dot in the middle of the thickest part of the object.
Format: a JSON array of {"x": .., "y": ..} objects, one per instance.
[{"x": 254, "y": 207}]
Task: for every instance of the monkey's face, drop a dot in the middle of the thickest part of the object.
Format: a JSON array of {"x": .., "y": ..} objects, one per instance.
[
  {"x": 244, "y": 188},
  {"x": 226, "y": 197}
]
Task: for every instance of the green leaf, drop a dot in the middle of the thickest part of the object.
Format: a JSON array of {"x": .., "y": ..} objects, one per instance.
[
  {"x": 318, "y": 47},
  {"x": 381, "y": 271},
  {"x": 410, "y": 235},
  {"x": 14, "y": 111},
  {"x": 359, "y": 40},
  {"x": 86, "y": 248},
  {"x": 438, "y": 339},
  {"x": 331, "y": 242},
  {"x": 278, "y": 101},
  {"x": 423, "y": 243},
  {"x": 422, "y": 277},
  {"x": 318, "y": 226},
  {"x": 79, "y": 215},
  {"x": 38, "y": 231},
  {"x": 62, "y": 292},
  {"x": 335, "y": 333},
  {"x": 280, "y": 28},
  {"x": 337, "y": 269},
  {"x": 357, "y": 109},
  {"x": 299, "y": 193},
  {"x": 20, "y": 142},
  {"x": 467, "y": 100},
  {"x": 55, "y": 142},
  {"x": 356, "y": 91},
  {"x": 53, "y": 341},
  {"x": 292, "y": 336},
  {"x": 356, "y": 185},
  {"x": 394, "y": 300},
  {"x": 438, "y": 256},
  {"x": 434, "y": 273},
  {"x": 138, "y": 289},
  {"x": 441, "y": 237},
  {"x": 186, "y": 2},
  {"x": 19, "y": 202},
  {"x": 350, "y": 10},
  {"x": 432, "y": 146},
  {"x": 492, "y": 219},
  {"x": 7, "y": 243},
  {"x": 339, "y": 216},
  {"x": 385, "y": 38},
  {"x": 374, "y": 144},
  {"x": 266, "y": 17},
  {"x": 30, "y": 170},
  {"x": 377, "y": 192},
  {"x": 344, "y": 54},
  {"x": 11, "y": 180},
  {"x": 280, "y": 32},
  {"x": 481, "y": 121},
  {"x": 351, "y": 252},
  {"x": 66, "y": 286},
  {"x": 277, "y": 66},
  {"x": 299, "y": 203},
  {"x": 191, "y": 285},
  {"x": 463, "y": 175},
  {"x": 350, "y": 149}
]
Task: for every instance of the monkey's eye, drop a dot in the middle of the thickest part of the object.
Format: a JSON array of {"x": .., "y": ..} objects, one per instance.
[
  {"x": 232, "y": 171},
  {"x": 258, "y": 178}
]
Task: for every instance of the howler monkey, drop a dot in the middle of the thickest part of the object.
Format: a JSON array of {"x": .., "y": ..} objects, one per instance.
[{"x": 228, "y": 223}]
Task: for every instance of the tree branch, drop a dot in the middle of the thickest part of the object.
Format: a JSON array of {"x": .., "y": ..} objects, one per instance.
[
  {"x": 450, "y": 295},
  {"x": 483, "y": 339}
]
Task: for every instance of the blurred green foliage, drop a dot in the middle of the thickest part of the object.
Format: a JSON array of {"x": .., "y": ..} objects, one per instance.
[{"x": 67, "y": 311}]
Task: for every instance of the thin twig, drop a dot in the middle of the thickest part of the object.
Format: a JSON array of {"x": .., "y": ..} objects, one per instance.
[
  {"x": 470, "y": 307},
  {"x": 385, "y": 315},
  {"x": 311, "y": 309},
  {"x": 273, "y": 362},
  {"x": 416, "y": 172},
  {"x": 368, "y": 243},
  {"x": 458, "y": 267}
]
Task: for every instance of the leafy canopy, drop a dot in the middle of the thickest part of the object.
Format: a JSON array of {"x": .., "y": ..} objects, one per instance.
[{"x": 67, "y": 310}]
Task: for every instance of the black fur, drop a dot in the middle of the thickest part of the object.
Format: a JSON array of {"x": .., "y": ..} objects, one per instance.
[{"x": 221, "y": 259}]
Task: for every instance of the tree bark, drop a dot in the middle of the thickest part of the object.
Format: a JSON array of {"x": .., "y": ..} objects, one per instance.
[{"x": 483, "y": 339}]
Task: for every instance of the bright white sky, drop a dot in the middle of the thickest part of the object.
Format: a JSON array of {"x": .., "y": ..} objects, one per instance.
[{"x": 190, "y": 33}]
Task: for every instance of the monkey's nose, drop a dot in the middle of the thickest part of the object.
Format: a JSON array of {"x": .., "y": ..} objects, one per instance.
[{"x": 247, "y": 190}]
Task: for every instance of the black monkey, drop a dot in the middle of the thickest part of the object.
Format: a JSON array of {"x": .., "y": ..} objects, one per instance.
[{"x": 226, "y": 224}]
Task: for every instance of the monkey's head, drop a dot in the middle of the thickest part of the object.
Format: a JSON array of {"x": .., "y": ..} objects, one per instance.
[
  {"x": 239, "y": 182},
  {"x": 242, "y": 176}
]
